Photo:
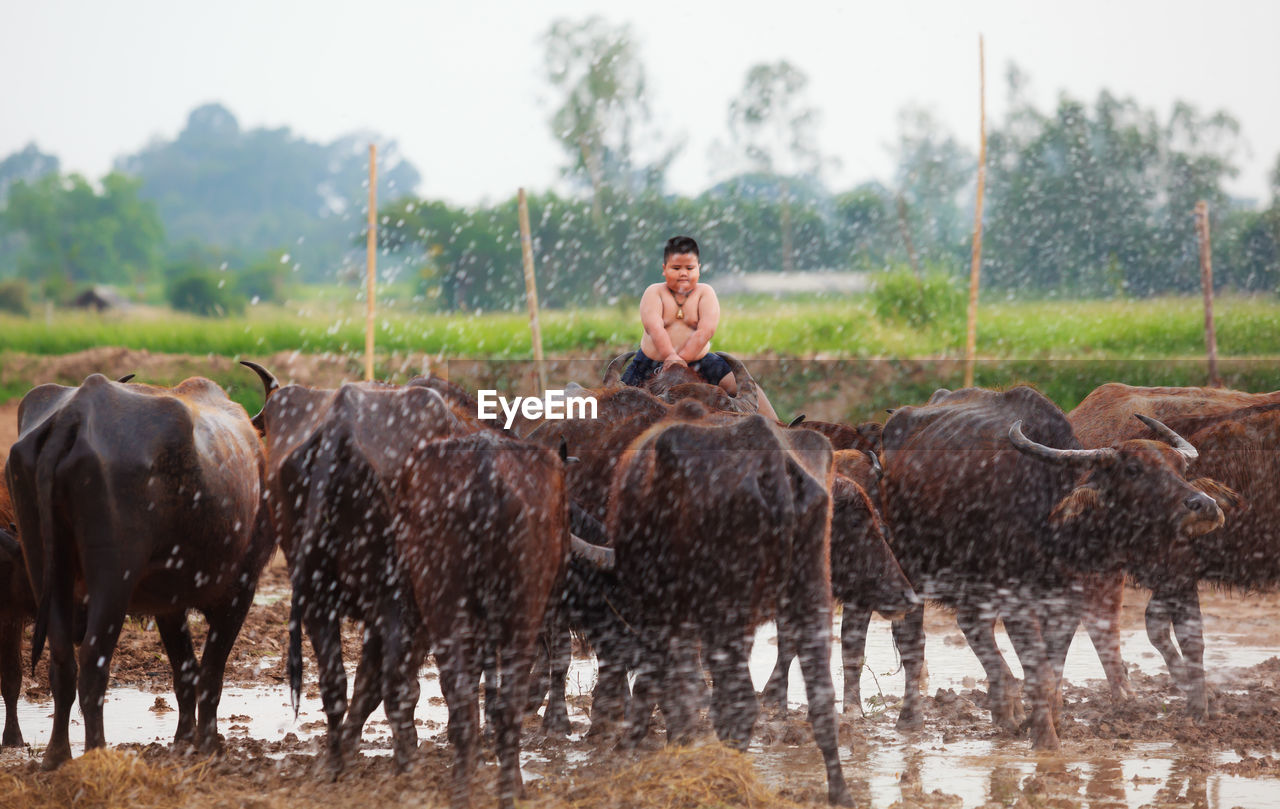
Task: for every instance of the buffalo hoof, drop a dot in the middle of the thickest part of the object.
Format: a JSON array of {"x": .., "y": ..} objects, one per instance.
[
  {"x": 1044, "y": 740},
  {"x": 839, "y": 795},
  {"x": 910, "y": 721},
  {"x": 211, "y": 745},
  {"x": 55, "y": 757},
  {"x": 557, "y": 725}
]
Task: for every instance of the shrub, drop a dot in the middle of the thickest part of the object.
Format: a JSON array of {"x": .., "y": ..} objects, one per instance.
[
  {"x": 13, "y": 297},
  {"x": 900, "y": 296},
  {"x": 203, "y": 293}
]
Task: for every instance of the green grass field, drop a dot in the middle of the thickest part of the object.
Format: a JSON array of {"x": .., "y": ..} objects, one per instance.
[
  {"x": 1163, "y": 327},
  {"x": 1066, "y": 348}
]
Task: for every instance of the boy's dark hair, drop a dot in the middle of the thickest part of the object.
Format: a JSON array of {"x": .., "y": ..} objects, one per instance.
[{"x": 679, "y": 244}]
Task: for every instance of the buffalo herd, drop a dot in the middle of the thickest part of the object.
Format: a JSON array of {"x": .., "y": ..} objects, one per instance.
[{"x": 663, "y": 533}]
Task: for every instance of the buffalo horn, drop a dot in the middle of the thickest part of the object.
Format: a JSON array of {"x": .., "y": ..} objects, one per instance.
[
  {"x": 598, "y": 555},
  {"x": 269, "y": 386},
  {"x": 747, "y": 387},
  {"x": 797, "y": 421},
  {"x": 1167, "y": 434},
  {"x": 613, "y": 374},
  {"x": 1071, "y": 457},
  {"x": 122, "y": 380},
  {"x": 876, "y": 468}
]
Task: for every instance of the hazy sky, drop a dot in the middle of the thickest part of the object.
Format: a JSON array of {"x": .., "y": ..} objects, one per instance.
[{"x": 460, "y": 84}]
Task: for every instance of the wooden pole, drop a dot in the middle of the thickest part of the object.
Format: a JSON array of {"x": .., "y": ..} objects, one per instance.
[
  {"x": 1206, "y": 285},
  {"x": 531, "y": 291},
  {"x": 975, "y": 264},
  {"x": 371, "y": 251}
]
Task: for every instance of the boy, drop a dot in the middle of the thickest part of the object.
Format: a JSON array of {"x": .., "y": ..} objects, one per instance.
[{"x": 680, "y": 317}]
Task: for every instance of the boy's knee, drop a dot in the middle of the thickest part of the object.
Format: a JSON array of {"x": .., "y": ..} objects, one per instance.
[{"x": 729, "y": 384}]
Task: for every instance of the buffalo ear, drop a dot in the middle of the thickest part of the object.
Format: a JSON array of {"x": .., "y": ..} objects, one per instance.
[
  {"x": 1074, "y": 505},
  {"x": 1226, "y": 497}
]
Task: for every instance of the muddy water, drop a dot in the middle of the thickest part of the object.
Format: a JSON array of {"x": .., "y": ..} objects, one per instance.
[{"x": 958, "y": 760}]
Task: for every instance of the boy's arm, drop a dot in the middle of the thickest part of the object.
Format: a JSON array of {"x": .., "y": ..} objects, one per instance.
[
  {"x": 651, "y": 319},
  {"x": 708, "y": 320}
]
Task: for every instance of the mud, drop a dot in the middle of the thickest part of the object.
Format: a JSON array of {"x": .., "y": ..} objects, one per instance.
[{"x": 1116, "y": 753}]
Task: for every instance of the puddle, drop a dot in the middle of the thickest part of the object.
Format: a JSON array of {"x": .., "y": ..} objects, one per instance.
[{"x": 883, "y": 767}]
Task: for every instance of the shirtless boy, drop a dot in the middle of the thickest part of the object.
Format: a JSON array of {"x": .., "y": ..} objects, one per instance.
[{"x": 680, "y": 317}]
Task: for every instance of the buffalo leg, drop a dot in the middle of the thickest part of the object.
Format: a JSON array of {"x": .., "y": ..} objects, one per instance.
[
  {"x": 733, "y": 699},
  {"x": 609, "y": 701},
  {"x": 1159, "y": 618},
  {"x": 11, "y": 677},
  {"x": 651, "y": 675},
  {"x": 1102, "y": 620},
  {"x": 683, "y": 674},
  {"x": 399, "y": 687},
  {"x": 102, "y": 629},
  {"x": 508, "y": 710},
  {"x": 62, "y": 681},
  {"x": 326, "y": 643},
  {"x": 176, "y": 637},
  {"x": 775, "y": 690},
  {"x": 366, "y": 694},
  {"x": 1002, "y": 687},
  {"x": 224, "y": 627},
  {"x": 1188, "y": 627},
  {"x": 459, "y": 678},
  {"x": 814, "y": 650},
  {"x": 908, "y": 636},
  {"x": 853, "y": 654},
  {"x": 1028, "y": 641},
  {"x": 555, "y": 720}
]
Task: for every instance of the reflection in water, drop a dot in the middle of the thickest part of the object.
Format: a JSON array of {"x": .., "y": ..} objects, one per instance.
[{"x": 1105, "y": 789}]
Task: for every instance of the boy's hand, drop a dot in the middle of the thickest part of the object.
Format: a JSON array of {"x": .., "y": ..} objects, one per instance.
[{"x": 673, "y": 359}]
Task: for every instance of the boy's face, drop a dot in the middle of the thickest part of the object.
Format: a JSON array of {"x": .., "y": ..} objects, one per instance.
[{"x": 681, "y": 272}]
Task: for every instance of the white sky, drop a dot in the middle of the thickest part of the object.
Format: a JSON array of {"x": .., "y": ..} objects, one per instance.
[{"x": 460, "y": 84}]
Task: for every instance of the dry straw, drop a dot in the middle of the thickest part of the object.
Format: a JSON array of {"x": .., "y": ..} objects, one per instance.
[
  {"x": 101, "y": 779},
  {"x": 673, "y": 778}
]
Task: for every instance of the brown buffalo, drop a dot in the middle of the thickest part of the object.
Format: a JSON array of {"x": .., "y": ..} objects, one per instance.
[
  {"x": 718, "y": 527},
  {"x": 678, "y": 382},
  {"x": 483, "y": 536},
  {"x": 17, "y": 606},
  {"x": 865, "y": 576},
  {"x": 145, "y": 500},
  {"x": 994, "y": 509},
  {"x": 336, "y": 460},
  {"x": 1238, "y": 437}
]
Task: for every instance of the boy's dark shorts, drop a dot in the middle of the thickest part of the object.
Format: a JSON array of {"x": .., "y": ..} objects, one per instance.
[{"x": 712, "y": 368}]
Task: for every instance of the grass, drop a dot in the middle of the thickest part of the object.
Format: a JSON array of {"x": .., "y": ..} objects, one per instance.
[
  {"x": 1066, "y": 347},
  {"x": 1163, "y": 327}
]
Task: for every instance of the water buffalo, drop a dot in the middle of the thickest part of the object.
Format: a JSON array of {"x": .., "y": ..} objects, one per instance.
[
  {"x": 336, "y": 460},
  {"x": 677, "y": 382},
  {"x": 718, "y": 527},
  {"x": 483, "y": 536},
  {"x": 865, "y": 576},
  {"x": 17, "y": 606},
  {"x": 145, "y": 499},
  {"x": 994, "y": 509},
  {"x": 1238, "y": 438}
]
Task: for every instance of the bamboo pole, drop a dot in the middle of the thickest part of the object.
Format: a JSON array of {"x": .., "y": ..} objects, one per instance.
[
  {"x": 975, "y": 265},
  {"x": 531, "y": 291},
  {"x": 1206, "y": 285},
  {"x": 371, "y": 251}
]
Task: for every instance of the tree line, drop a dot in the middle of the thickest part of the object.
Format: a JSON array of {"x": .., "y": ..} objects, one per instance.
[{"x": 1089, "y": 198}]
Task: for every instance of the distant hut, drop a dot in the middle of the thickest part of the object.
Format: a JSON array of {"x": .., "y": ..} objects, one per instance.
[{"x": 101, "y": 299}]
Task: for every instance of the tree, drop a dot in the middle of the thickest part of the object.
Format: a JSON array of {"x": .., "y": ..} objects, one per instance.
[
  {"x": 932, "y": 171},
  {"x": 257, "y": 190},
  {"x": 1097, "y": 199},
  {"x": 597, "y": 70},
  {"x": 772, "y": 125},
  {"x": 74, "y": 233},
  {"x": 28, "y": 165}
]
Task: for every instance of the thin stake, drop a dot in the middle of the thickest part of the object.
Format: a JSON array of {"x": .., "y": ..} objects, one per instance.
[
  {"x": 372, "y": 259},
  {"x": 975, "y": 265},
  {"x": 531, "y": 290},
  {"x": 1206, "y": 285}
]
